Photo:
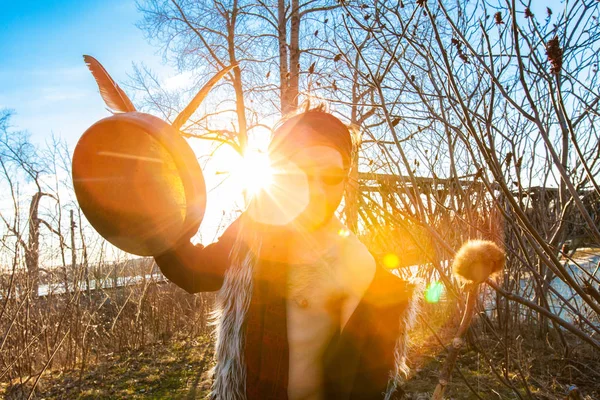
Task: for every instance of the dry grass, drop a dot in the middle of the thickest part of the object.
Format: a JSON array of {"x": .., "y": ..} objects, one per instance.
[
  {"x": 160, "y": 371},
  {"x": 178, "y": 370}
]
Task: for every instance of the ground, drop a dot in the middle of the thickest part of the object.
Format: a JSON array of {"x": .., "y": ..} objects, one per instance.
[
  {"x": 548, "y": 377},
  {"x": 178, "y": 370},
  {"x": 173, "y": 371}
]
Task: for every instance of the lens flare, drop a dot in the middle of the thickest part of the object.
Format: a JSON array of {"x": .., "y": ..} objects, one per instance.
[
  {"x": 285, "y": 197},
  {"x": 434, "y": 291},
  {"x": 254, "y": 172},
  {"x": 344, "y": 232},
  {"x": 391, "y": 261}
]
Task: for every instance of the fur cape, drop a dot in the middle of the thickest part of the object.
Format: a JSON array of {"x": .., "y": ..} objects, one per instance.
[{"x": 367, "y": 360}]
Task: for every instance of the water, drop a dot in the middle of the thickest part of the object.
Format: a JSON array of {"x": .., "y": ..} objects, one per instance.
[{"x": 107, "y": 283}]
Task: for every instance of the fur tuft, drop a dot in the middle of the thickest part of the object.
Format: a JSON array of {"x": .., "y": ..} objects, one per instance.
[
  {"x": 233, "y": 300},
  {"x": 407, "y": 322},
  {"x": 477, "y": 260}
]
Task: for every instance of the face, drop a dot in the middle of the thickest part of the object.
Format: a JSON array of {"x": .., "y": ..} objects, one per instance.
[
  {"x": 323, "y": 169},
  {"x": 307, "y": 185}
]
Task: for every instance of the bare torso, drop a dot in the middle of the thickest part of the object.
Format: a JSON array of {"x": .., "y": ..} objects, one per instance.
[{"x": 324, "y": 287}]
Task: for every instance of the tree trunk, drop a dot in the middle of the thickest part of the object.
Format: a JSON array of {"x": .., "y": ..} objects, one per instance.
[
  {"x": 353, "y": 187},
  {"x": 32, "y": 254},
  {"x": 86, "y": 265},
  {"x": 237, "y": 79},
  {"x": 283, "y": 56},
  {"x": 351, "y": 196},
  {"x": 73, "y": 254},
  {"x": 294, "y": 57}
]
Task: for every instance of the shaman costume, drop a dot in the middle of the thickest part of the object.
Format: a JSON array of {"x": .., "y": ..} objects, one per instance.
[
  {"x": 364, "y": 361},
  {"x": 128, "y": 197}
]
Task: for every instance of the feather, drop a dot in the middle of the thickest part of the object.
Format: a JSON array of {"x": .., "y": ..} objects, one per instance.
[
  {"x": 197, "y": 100},
  {"x": 114, "y": 97}
]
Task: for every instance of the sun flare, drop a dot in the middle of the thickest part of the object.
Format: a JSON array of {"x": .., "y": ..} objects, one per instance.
[
  {"x": 272, "y": 193},
  {"x": 254, "y": 172}
]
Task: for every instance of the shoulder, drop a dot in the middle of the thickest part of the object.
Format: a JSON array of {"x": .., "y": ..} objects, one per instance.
[{"x": 357, "y": 265}]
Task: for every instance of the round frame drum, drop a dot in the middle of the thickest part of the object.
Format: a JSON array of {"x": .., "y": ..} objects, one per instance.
[{"x": 138, "y": 183}]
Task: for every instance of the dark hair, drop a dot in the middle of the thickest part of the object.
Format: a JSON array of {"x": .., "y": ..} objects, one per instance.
[{"x": 323, "y": 128}]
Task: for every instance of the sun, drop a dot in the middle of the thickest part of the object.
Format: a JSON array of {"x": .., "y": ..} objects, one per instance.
[{"x": 253, "y": 171}]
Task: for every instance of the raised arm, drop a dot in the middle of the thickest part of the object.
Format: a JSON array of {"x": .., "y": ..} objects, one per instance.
[{"x": 196, "y": 268}]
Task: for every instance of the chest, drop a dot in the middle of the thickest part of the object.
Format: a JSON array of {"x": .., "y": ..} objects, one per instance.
[
  {"x": 315, "y": 288},
  {"x": 313, "y": 315}
]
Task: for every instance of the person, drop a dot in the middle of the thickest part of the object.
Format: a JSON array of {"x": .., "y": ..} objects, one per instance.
[{"x": 303, "y": 309}]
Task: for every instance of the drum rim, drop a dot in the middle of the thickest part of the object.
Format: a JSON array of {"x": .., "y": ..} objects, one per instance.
[{"x": 183, "y": 156}]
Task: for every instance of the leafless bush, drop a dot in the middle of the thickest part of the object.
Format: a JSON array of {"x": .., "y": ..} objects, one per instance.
[{"x": 76, "y": 302}]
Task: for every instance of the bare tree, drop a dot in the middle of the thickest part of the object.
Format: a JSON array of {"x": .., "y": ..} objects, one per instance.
[
  {"x": 490, "y": 111},
  {"x": 201, "y": 37},
  {"x": 17, "y": 152}
]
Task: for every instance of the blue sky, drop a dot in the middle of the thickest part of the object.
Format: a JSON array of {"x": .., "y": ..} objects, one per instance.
[
  {"x": 42, "y": 74},
  {"x": 43, "y": 77},
  {"x": 44, "y": 80}
]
